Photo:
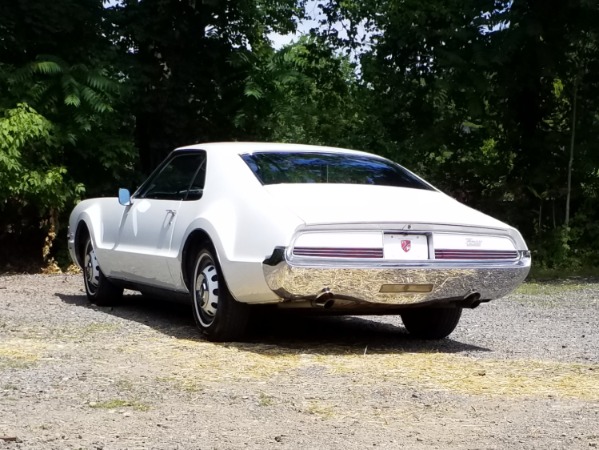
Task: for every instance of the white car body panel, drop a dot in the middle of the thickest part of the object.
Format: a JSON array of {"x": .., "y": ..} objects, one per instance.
[
  {"x": 334, "y": 203},
  {"x": 143, "y": 243}
]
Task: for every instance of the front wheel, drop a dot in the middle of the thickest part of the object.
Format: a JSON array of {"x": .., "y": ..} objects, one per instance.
[
  {"x": 98, "y": 288},
  {"x": 217, "y": 314},
  {"x": 431, "y": 323}
]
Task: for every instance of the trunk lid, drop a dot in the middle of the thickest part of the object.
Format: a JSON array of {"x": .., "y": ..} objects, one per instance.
[{"x": 337, "y": 203}]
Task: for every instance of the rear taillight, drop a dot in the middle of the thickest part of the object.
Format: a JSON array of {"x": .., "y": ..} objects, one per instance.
[
  {"x": 337, "y": 252},
  {"x": 475, "y": 254}
]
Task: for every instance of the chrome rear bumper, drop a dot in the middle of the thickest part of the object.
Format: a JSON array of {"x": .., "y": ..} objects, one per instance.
[{"x": 397, "y": 284}]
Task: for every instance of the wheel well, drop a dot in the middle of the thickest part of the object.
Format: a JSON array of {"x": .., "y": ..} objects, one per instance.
[
  {"x": 196, "y": 241},
  {"x": 81, "y": 236}
]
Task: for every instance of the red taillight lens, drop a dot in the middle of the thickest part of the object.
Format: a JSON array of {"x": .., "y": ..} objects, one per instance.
[
  {"x": 336, "y": 252},
  {"x": 475, "y": 254}
]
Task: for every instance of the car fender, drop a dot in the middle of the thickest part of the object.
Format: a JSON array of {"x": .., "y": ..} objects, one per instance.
[
  {"x": 231, "y": 226},
  {"x": 104, "y": 236}
]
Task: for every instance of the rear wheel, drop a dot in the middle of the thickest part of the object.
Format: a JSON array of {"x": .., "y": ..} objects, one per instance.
[
  {"x": 217, "y": 314},
  {"x": 98, "y": 288},
  {"x": 431, "y": 323}
]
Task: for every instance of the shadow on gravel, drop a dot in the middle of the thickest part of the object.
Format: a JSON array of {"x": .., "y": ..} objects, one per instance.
[{"x": 291, "y": 332}]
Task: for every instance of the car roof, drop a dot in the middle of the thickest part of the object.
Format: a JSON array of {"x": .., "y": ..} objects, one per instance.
[{"x": 241, "y": 148}]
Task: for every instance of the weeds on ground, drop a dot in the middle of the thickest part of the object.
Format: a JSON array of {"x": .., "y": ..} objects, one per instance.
[
  {"x": 535, "y": 288},
  {"x": 265, "y": 399},
  {"x": 319, "y": 409},
  {"x": 119, "y": 403},
  {"x": 17, "y": 355}
]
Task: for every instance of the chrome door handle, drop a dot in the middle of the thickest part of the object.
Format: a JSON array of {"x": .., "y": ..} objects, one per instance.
[{"x": 172, "y": 213}]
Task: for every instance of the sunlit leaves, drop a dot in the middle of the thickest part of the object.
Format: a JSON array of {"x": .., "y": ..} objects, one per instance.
[{"x": 27, "y": 172}]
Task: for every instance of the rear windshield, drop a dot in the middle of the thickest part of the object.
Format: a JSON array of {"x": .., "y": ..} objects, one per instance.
[{"x": 340, "y": 168}]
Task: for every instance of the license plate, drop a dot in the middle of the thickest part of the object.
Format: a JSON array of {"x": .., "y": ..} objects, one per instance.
[{"x": 405, "y": 246}]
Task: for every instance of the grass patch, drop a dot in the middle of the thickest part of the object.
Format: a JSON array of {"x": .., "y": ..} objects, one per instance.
[
  {"x": 185, "y": 359},
  {"x": 124, "y": 385},
  {"x": 435, "y": 371},
  {"x": 534, "y": 288},
  {"x": 96, "y": 328},
  {"x": 543, "y": 274},
  {"x": 320, "y": 409},
  {"x": 37, "y": 332},
  {"x": 19, "y": 354},
  {"x": 83, "y": 332},
  {"x": 119, "y": 403},
  {"x": 265, "y": 399},
  {"x": 183, "y": 384},
  {"x": 476, "y": 377}
]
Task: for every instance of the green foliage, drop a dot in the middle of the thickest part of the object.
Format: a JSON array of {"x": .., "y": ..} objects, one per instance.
[
  {"x": 306, "y": 93},
  {"x": 58, "y": 89},
  {"x": 65, "y": 126},
  {"x": 187, "y": 61},
  {"x": 28, "y": 171},
  {"x": 486, "y": 99},
  {"x": 77, "y": 105}
]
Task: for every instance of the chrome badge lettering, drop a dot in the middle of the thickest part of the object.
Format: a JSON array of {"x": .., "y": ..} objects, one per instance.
[{"x": 473, "y": 242}]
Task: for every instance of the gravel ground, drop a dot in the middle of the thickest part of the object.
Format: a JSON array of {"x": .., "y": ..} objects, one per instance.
[{"x": 520, "y": 372}]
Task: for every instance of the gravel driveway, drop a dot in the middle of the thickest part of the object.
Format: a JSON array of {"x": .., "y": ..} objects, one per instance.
[{"x": 520, "y": 372}]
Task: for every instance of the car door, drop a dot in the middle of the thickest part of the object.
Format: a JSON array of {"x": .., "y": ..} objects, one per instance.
[{"x": 144, "y": 245}]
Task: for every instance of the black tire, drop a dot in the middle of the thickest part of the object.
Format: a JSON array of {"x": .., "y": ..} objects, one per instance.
[
  {"x": 431, "y": 323},
  {"x": 217, "y": 314},
  {"x": 98, "y": 288}
]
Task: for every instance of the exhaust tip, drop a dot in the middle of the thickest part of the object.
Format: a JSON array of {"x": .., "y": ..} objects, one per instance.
[
  {"x": 324, "y": 299},
  {"x": 471, "y": 300},
  {"x": 328, "y": 304}
]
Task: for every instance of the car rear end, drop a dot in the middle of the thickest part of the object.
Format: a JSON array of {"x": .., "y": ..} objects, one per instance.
[
  {"x": 396, "y": 266},
  {"x": 377, "y": 236}
]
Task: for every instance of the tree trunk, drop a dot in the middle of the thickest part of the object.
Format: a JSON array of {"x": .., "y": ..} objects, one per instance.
[{"x": 571, "y": 160}]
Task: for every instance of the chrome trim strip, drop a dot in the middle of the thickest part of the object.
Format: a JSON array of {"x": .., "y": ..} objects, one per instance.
[
  {"x": 361, "y": 263},
  {"x": 338, "y": 252},
  {"x": 441, "y": 253},
  {"x": 415, "y": 228}
]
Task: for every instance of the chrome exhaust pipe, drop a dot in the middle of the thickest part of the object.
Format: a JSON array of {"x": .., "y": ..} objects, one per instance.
[
  {"x": 324, "y": 299},
  {"x": 471, "y": 300}
]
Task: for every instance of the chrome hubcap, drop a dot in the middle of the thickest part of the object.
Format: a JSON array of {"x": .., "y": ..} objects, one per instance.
[
  {"x": 206, "y": 294},
  {"x": 92, "y": 270}
]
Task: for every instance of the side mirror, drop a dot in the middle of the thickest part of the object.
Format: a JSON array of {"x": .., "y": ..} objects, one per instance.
[{"x": 124, "y": 197}]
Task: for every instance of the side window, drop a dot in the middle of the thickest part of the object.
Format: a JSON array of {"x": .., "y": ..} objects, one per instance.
[
  {"x": 174, "y": 180},
  {"x": 197, "y": 185}
]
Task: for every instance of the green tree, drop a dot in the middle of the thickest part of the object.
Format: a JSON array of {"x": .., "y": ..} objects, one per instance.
[
  {"x": 495, "y": 101},
  {"x": 61, "y": 99},
  {"x": 186, "y": 66},
  {"x": 306, "y": 93}
]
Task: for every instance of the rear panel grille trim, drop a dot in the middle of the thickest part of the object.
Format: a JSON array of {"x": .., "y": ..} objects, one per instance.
[
  {"x": 339, "y": 252},
  {"x": 377, "y": 253},
  {"x": 475, "y": 254}
]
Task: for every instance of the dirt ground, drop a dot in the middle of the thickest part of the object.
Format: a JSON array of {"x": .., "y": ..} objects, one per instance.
[{"x": 521, "y": 372}]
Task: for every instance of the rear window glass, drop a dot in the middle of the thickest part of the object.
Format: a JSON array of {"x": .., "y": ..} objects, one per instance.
[{"x": 339, "y": 168}]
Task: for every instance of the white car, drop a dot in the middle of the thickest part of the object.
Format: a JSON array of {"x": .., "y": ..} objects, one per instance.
[{"x": 235, "y": 225}]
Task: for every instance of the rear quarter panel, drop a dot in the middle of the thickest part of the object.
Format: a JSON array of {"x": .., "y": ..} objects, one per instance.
[{"x": 244, "y": 222}]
